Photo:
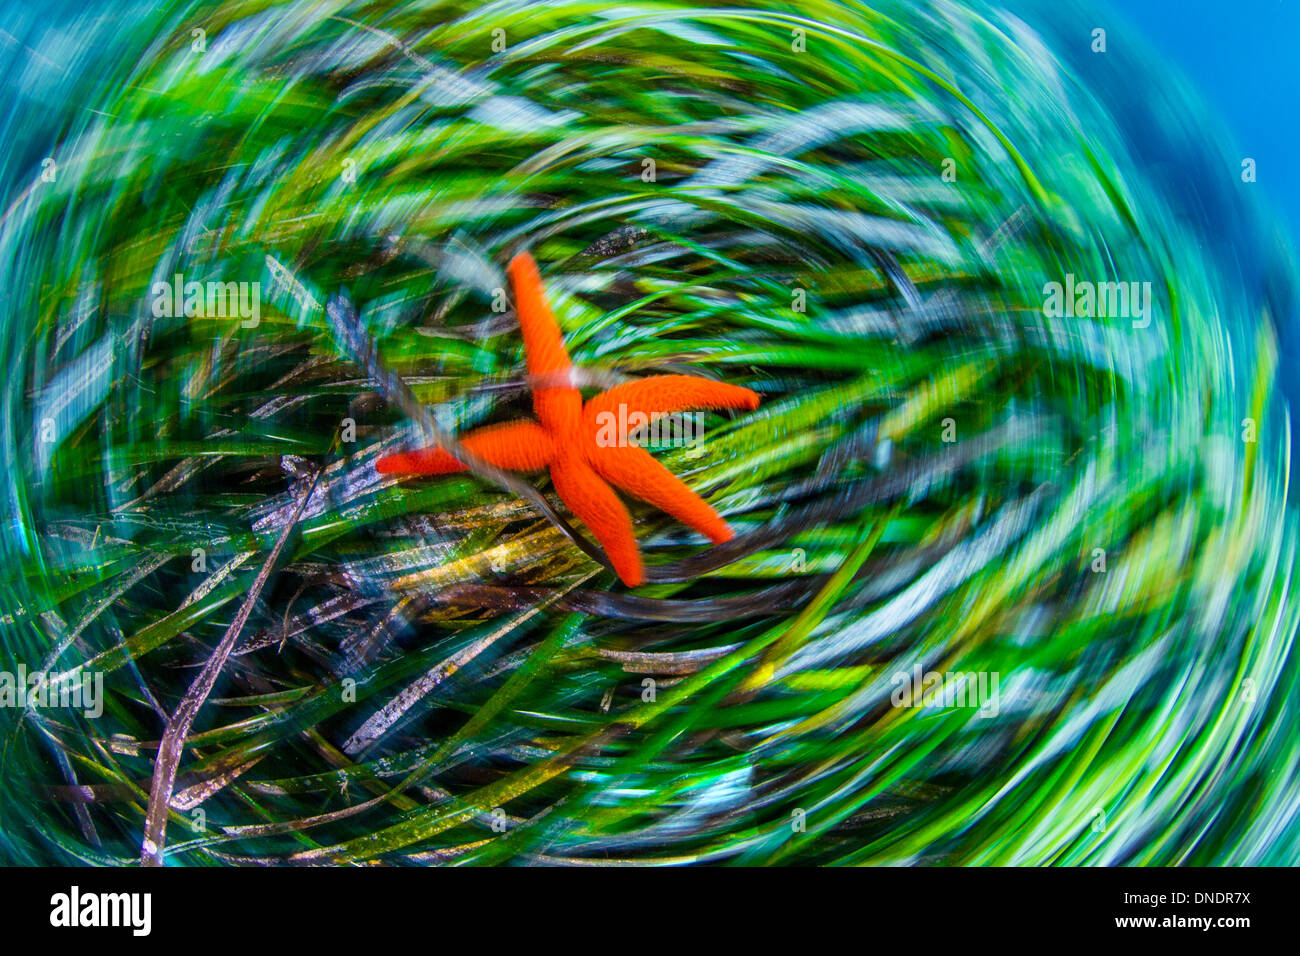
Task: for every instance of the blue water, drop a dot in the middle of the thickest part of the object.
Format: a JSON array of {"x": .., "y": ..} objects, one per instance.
[{"x": 1241, "y": 56}]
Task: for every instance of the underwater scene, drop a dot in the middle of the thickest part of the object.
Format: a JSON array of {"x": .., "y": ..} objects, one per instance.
[{"x": 815, "y": 433}]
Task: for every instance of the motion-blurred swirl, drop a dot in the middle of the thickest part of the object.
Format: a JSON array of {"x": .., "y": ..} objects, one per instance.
[{"x": 1013, "y": 566}]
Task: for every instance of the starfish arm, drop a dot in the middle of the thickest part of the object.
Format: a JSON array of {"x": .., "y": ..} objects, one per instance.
[
  {"x": 518, "y": 446},
  {"x": 634, "y": 470},
  {"x": 559, "y": 408},
  {"x": 662, "y": 394},
  {"x": 605, "y": 516},
  {"x": 543, "y": 347}
]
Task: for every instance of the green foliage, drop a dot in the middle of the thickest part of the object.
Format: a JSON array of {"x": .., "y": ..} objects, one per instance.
[{"x": 424, "y": 653}]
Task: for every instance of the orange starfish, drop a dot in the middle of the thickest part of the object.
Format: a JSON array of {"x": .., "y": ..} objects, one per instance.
[{"x": 573, "y": 438}]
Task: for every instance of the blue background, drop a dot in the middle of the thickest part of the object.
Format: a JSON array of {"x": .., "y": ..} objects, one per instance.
[{"x": 1242, "y": 57}]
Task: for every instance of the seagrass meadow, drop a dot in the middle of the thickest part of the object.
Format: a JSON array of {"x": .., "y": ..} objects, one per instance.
[{"x": 1010, "y": 584}]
